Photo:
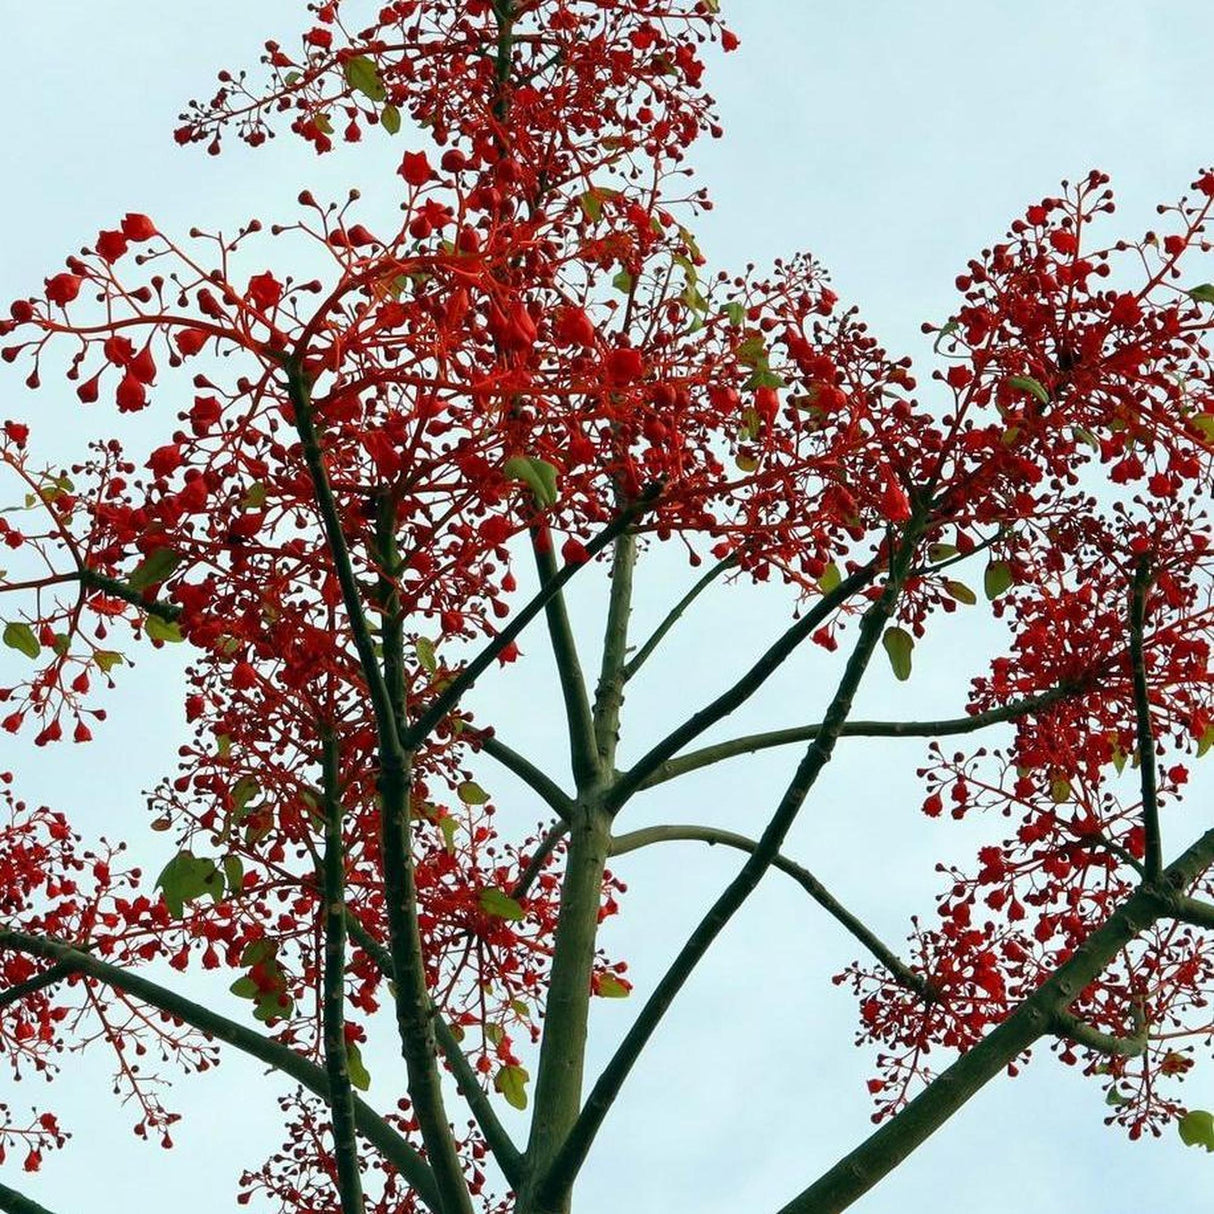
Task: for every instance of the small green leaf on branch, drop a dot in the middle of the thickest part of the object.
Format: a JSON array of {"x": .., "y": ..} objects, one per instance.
[
  {"x": 471, "y": 793},
  {"x": 21, "y": 637},
  {"x": 1203, "y": 293},
  {"x": 162, "y": 630},
  {"x": 610, "y": 987},
  {"x": 500, "y": 905},
  {"x": 187, "y": 877},
  {"x": 390, "y": 119},
  {"x": 1197, "y": 1129},
  {"x": 899, "y": 645},
  {"x": 362, "y": 75},
  {"x": 537, "y": 474},
  {"x": 153, "y": 569},
  {"x": 511, "y": 1081},
  {"x": 961, "y": 592},
  {"x": 831, "y": 578},
  {"x": 359, "y": 1075},
  {"x": 997, "y": 579},
  {"x": 1026, "y": 383}
]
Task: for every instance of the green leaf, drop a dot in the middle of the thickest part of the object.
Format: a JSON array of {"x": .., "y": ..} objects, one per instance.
[
  {"x": 244, "y": 987},
  {"x": 610, "y": 987},
  {"x": 107, "y": 659},
  {"x": 362, "y": 74},
  {"x": 997, "y": 579},
  {"x": 243, "y": 791},
  {"x": 359, "y": 1076},
  {"x": 233, "y": 871},
  {"x": 258, "y": 952},
  {"x": 831, "y": 578},
  {"x": 153, "y": 569},
  {"x": 21, "y": 637},
  {"x": 186, "y": 877},
  {"x": 162, "y": 630},
  {"x": 500, "y": 905},
  {"x": 1203, "y": 423},
  {"x": 1203, "y": 293},
  {"x": 425, "y": 654},
  {"x": 511, "y": 1081},
  {"x": 538, "y": 474},
  {"x": 735, "y": 313},
  {"x": 1060, "y": 790},
  {"x": 592, "y": 204},
  {"x": 471, "y": 793},
  {"x": 941, "y": 552},
  {"x": 946, "y": 330},
  {"x": 1026, "y": 383},
  {"x": 1205, "y": 741},
  {"x": 390, "y": 119},
  {"x": 898, "y": 645},
  {"x": 961, "y": 592},
  {"x": 1115, "y": 1099},
  {"x": 255, "y": 496},
  {"x": 448, "y": 826},
  {"x": 623, "y": 282},
  {"x": 1197, "y": 1129}
]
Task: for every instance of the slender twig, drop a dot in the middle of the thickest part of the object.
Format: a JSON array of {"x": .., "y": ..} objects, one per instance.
[
  {"x": 497, "y": 1138},
  {"x": 901, "y": 973},
  {"x": 546, "y": 846},
  {"x": 945, "y": 727},
  {"x": 444, "y": 703},
  {"x": 559, "y": 1177},
  {"x": 371, "y": 1126},
  {"x": 1066, "y": 1024},
  {"x": 559, "y": 801},
  {"x": 1152, "y": 853},
  {"x": 31, "y": 986},
  {"x": 337, "y": 1057},
  {"x": 639, "y": 658},
  {"x": 12, "y": 1202},
  {"x": 740, "y": 692},
  {"x": 885, "y": 1149}
]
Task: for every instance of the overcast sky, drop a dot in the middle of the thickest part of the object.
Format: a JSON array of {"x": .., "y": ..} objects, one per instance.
[{"x": 893, "y": 141}]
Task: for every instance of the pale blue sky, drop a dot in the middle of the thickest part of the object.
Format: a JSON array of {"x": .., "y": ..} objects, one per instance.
[{"x": 893, "y": 141}]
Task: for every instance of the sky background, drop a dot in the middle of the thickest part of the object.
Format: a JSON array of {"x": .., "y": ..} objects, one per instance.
[{"x": 891, "y": 140}]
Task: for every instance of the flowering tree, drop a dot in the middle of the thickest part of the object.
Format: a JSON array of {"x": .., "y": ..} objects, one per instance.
[{"x": 534, "y": 357}]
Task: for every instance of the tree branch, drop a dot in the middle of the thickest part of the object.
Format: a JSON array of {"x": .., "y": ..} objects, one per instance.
[
  {"x": 673, "y": 616},
  {"x": 1152, "y": 855},
  {"x": 885, "y": 1149},
  {"x": 739, "y": 693},
  {"x": 12, "y": 1202},
  {"x": 38, "y": 982},
  {"x": 115, "y": 589},
  {"x": 1194, "y": 912},
  {"x": 1066, "y": 1024},
  {"x": 609, "y": 691},
  {"x": 705, "y": 757},
  {"x": 370, "y": 1125},
  {"x": 508, "y": 1156},
  {"x": 711, "y": 835},
  {"x": 559, "y": 1177},
  {"x": 547, "y": 845},
  {"x": 538, "y": 781},
  {"x": 337, "y": 1059}
]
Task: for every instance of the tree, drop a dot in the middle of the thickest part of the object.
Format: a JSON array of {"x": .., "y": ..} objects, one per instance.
[{"x": 536, "y": 356}]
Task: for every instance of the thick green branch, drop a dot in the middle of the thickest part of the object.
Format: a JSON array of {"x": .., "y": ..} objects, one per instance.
[
  {"x": 115, "y": 589},
  {"x": 337, "y": 1059},
  {"x": 370, "y": 1125},
  {"x": 740, "y": 692},
  {"x": 884, "y": 1150},
  {"x": 551, "y": 793},
  {"x": 559, "y": 1177},
  {"x": 674, "y": 615},
  {"x": 578, "y": 717},
  {"x": 1194, "y": 912},
  {"x": 411, "y": 992},
  {"x": 609, "y": 692},
  {"x": 12, "y": 1202},
  {"x": 712, "y": 835},
  {"x": 500, "y": 1144},
  {"x": 1152, "y": 853},
  {"x": 31, "y": 986},
  {"x": 1066, "y": 1024},
  {"x": 945, "y": 727}
]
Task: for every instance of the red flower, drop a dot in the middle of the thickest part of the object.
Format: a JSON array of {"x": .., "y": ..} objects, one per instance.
[
  {"x": 111, "y": 246},
  {"x": 137, "y": 227},
  {"x": 264, "y": 290},
  {"x": 190, "y": 341},
  {"x": 63, "y": 288},
  {"x": 415, "y": 169},
  {"x": 131, "y": 395},
  {"x": 624, "y": 365}
]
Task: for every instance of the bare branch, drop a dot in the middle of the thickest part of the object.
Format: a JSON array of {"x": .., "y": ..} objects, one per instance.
[
  {"x": 1152, "y": 857},
  {"x": 539, "y": 782}
]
